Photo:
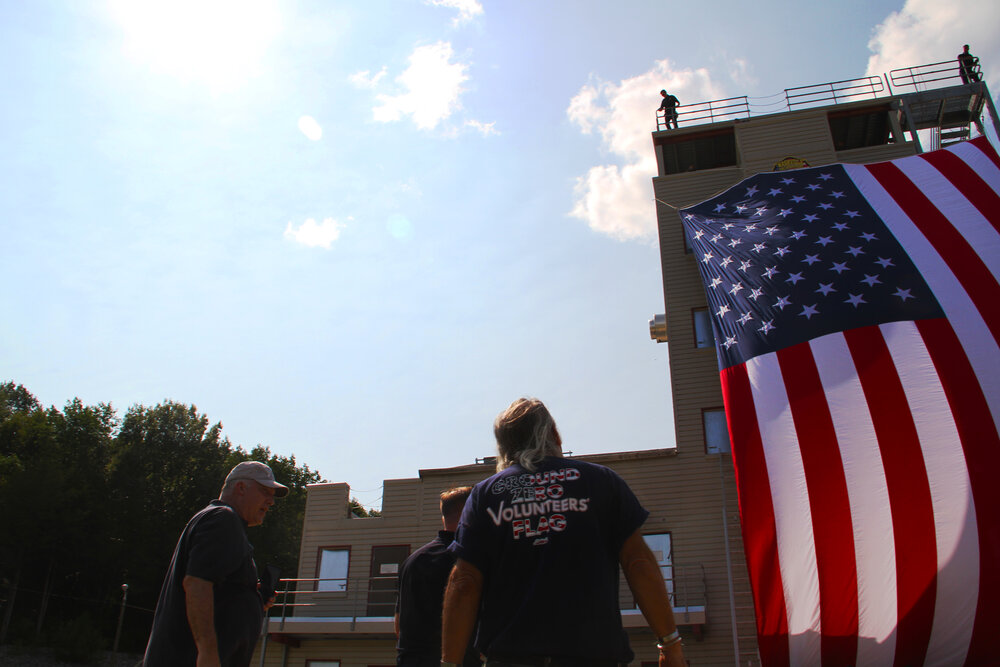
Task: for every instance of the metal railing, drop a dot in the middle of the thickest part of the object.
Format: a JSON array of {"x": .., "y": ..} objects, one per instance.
[
  {"x": 847, "y": 90},
  {"x": 933, "y": 75},
  {"x": 362, "y": 598},
  {"x": 711, "y": 111},
  {"x": 949, "y": 70}
]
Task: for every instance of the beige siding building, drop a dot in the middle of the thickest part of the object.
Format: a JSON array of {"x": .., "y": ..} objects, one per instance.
[{"x": 340, "y": 614}]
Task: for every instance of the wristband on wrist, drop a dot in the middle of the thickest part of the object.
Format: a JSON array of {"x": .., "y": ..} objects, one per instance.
[{"x": 666, "y": 641}]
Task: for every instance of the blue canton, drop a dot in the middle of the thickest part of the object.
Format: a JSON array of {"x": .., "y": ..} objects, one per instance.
[{"x": 791, "y": 256}]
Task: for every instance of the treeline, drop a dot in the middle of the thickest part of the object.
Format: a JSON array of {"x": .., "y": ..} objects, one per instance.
[{"x": 90, "y": 501}]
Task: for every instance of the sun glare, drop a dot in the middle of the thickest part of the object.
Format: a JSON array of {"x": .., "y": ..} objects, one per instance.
[{"x": 220, "y": 43}]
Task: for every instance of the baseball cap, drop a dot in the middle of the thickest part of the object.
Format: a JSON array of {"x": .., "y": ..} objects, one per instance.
[{"x": 258, "y": 472}]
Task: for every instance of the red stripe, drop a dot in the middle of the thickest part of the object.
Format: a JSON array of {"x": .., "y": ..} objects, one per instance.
[
  {"x": 981, "y": 445},
  {"x": 760, "y": 537},
  {"x": 829, "y": 505},
  {"x": 909, "y": 492},
  {"x": 969, "y": 183},
  {"x": 975, "y": 277},
  {"x": 984, "y": 145}
]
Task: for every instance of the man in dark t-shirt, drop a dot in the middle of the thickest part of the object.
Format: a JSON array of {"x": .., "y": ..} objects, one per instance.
[
  {"x": 422, "y": 579},
  {"x": 210, "y": 611},
  {"x": 539, "y": 545},
  {"x": 967, "y": 66}
]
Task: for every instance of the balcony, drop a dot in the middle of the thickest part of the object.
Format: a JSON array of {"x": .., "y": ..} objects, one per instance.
[{"x": 364, "y": 609}]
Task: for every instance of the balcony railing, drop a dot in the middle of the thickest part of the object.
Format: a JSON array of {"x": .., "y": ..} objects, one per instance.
[
  {"x": 372, "y": 598},
  {"x": 933, "y": 75},
  {"x": 712, "y": 111},
  {"x": 833, "y": 92}
]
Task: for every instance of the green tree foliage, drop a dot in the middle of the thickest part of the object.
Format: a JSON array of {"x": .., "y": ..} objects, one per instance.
[{"x": 91, "y": 502}]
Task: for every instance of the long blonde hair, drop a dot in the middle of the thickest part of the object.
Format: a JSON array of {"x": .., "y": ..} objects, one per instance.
[{"x": 525, "y": 434}]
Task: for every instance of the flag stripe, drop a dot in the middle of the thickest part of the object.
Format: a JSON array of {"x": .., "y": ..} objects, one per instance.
[
  {"x": 792, "y": 518},
  {"x": 970, "y": 184},
  {"x": 828, "y": 502},
  {"x": 981, "y": 446},
  {"x": 982, "y": 147},
  {"x": 970, "y": 206},
  {"x": 975, "y": 337},
  {"x": 757, "y": 515},
  {"x": 874, "y": 546},
  {"x": 951, "y": 496},
  {"x": 961, "y": 258},
  {"x": 909, "y": 493}
]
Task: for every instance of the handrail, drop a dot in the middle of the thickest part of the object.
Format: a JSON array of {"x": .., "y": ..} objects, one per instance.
[
  {"x": 837, "y": 91},
  {"x": 947, "y": 70},
  {"x": 734, "y": 108},
  {"x": 713, "y": 111},
  {"x": 687, "y": 584}
]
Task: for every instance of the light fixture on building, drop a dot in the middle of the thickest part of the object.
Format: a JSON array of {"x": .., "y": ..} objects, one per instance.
[{"x": 658, "y": 328}]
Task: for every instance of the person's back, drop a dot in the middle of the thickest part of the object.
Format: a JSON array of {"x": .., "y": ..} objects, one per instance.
[
  {"x": 539, "y": 546},
  {"x": 549, "y": 556},
  {"x": 422, "y": 579}
]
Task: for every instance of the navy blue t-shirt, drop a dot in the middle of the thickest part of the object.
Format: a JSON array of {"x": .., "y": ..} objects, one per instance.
[
  {"x": 214, "y": 547},
  {"x": 547, "y": 544},
  {"x": 422, "y": 580}
]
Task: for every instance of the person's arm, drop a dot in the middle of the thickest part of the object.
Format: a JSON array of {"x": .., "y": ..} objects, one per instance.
[
  {"x": 461, "y": 607},
  {"x": 199, "y": 600},
  {"x": 395, "y": 624},
  {"x": 650, "y": 592}
]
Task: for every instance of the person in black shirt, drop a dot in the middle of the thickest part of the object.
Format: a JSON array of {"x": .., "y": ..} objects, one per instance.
[
  {"x": 210, "y": 611},
  {"x": 967, "y": 66},
  {"x": 539, "y": 546},
  {"x": 422, "y": 579},
  {"x": 669, "y": 108}
]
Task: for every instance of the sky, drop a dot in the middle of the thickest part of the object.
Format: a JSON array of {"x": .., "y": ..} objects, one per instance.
[{"x": 354, "y": 232}]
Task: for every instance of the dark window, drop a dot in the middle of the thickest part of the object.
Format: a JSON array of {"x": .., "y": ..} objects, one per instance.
[
  {"x": 703, "y": 151},
  {"x": 716, "y": 431},
  {"x": 859, "y": 128},
  {"x": 703, "y": 336}
]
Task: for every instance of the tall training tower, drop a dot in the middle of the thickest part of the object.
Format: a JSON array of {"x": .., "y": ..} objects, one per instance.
[{"x": 717, "y": 144}]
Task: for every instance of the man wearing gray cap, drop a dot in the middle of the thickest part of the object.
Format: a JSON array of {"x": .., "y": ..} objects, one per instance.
[{"x": 210, "y": 610}]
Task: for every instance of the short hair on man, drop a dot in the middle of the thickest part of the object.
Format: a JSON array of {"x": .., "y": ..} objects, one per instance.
[
  {"x": 525, "y": 434},
  {"x": 453, "y": 501}
]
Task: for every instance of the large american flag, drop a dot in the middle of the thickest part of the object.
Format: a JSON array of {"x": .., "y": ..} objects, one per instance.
[{"x": 856, "y": 311}]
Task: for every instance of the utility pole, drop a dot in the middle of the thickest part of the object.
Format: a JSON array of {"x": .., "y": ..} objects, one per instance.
[{"x": 121, "y": 616}]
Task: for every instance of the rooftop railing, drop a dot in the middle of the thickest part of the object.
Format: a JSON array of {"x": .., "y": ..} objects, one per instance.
[{"x": 933, "y": 75}]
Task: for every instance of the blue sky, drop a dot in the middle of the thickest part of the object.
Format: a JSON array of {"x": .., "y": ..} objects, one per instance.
[{"x": 355, "y": 231}]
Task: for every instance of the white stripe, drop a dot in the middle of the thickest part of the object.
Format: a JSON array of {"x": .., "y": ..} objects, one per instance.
[
  {"x": 951, "y": 496},
  {"x": 975, "y": 336},
  {"x": 871, "y": 515},
  {"x": 978, "y": 160},
  {"x": 792, "y": 516},
  {"x": 964, "y": 217}
]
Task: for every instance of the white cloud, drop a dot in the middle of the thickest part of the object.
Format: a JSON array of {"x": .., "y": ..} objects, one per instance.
[
  {"x": 467, "y": 9},
  {"x": 929, "y": 31},
  {"x": 433, "y": 85},
  {"x": 617, "y": 199},
  {"x": 486, "y": 129},
  {"x": 315, "y": 234},
  {"x": 309, "y": 127},
  {"x": 365, "y": 79}
]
